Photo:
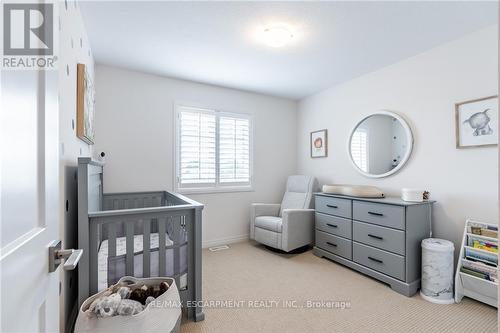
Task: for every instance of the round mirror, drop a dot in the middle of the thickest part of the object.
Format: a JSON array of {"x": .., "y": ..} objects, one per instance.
[{"x": 380, "y": 144}]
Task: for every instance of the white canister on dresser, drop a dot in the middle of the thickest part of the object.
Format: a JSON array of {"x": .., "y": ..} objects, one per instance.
[
  {"x": 412, "y": 194},
  {"x": 437, "y": 271}
]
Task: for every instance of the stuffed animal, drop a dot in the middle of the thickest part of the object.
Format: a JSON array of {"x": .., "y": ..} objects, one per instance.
[
  {"x": 124, "y": 292},
  {"x": 92, "y": 305},
  {"x": 122, "y": 300},
  {"x": 107, "y": 306},
  {"x": 140, "y": 294},
  {"x": 149, "y": 300},
  {"x": 163, "y": 287},
  {"x": 128, "y": 307}
]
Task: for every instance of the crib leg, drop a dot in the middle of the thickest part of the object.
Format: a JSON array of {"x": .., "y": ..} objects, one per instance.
[{"x": 194, "y": 278}]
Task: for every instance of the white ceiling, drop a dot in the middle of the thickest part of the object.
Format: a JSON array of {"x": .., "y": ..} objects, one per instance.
[{"x": 214, "y": 42}]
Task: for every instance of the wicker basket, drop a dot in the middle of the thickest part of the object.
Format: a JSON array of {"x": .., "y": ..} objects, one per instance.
[{"x": 162, "y": 315}]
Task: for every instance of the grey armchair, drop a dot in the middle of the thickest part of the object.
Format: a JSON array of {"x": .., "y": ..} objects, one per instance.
[{"x": 289, "y": 225}]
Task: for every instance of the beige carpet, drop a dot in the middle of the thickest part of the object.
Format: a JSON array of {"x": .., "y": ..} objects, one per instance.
[{"x": 250, "y": 272}]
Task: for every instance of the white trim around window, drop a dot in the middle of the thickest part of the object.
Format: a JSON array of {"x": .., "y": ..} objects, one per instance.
[{"x": 201, "y": 142}]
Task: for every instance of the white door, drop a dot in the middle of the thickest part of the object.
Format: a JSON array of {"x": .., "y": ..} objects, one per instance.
[{"x": 29, "y": 294}]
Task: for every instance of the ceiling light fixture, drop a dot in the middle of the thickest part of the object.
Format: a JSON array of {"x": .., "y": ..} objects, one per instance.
[{"x": 277, "y": 36}]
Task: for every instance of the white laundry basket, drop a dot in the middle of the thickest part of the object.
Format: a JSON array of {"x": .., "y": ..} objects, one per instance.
[
  {"x": 437, "y": 270},
  {"x": 162, "y": 315}
]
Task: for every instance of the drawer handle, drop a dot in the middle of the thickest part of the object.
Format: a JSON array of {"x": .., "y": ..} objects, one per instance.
[
  {"x": 332, "y": 206},
  {"x": 376, "y": 260},
  {"x": 331, "y": 244},
  {"x": 376, "y": 237},
  {"x": 332, "y": 225},
  {"x": 376, "y": 214}
]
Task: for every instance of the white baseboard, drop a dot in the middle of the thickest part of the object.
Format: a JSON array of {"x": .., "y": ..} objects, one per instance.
[{"x": 222, "y": 241}]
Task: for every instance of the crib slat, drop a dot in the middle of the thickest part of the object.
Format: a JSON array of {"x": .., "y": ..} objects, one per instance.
[
  {"x": 161, "y": 246},
  {"x": 111, "y": 240},
  {"x": 93, "y": 248},
  {"x": 129, "y": 230},
  {"x": 176, "y": 239},
  {"x": 146, "y": 272}
]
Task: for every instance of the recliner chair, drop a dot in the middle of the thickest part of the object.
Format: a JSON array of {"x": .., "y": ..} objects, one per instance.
[{"x": 289, "y": 225}]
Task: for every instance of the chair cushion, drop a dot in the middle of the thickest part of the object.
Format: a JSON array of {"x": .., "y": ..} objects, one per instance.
[
  {"x": 293, "y": 200},
  {"x": 298, "y": 193},
  {"x": 299, "y": 183},
  {"x": 271, "y": 223}
]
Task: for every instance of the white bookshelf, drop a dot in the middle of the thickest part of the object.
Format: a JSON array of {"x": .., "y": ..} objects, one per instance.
[{"x": 469, "y": 285}]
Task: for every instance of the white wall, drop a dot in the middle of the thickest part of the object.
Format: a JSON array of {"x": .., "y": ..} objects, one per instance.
[
  {"x": 134, "y": 126},
  {"x": 74, "y": 48},
  {"x": 423, "y": 89}
]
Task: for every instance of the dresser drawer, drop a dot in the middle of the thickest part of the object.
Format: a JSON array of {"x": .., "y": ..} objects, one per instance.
[
  {"x": 334, "y": 206},
  {"x": 334, "y": 225},
  {"x": 379, "y": 260},
  {"x": 336, "y": 245},
  {"x": 383, "y": 238},
  {"x": 381, "y": 214}
]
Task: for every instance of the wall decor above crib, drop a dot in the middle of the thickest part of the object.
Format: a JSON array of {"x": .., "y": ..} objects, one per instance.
[{"x": 476, "y": 122}]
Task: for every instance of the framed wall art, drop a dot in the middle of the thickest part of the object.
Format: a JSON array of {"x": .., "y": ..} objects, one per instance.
[
  {"x": 84, "y": 105},
  {"x": 319, "y": 143},
  {"x": 476, "y": 122}
]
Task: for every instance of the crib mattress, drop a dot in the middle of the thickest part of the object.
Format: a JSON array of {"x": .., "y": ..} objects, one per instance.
[{"x": 121, "y": 250}]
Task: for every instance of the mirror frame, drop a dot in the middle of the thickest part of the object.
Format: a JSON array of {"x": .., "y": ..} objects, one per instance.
[{"x": 406, "y": 157}]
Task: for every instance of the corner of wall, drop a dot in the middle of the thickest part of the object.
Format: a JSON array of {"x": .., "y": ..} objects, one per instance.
[{"x": 74, "y": 48}]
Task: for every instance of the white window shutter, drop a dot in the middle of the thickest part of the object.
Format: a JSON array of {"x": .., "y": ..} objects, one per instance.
[
  {"x": 197, "y": 147},
  {"x": 234, "y": 150},
  {"x": 213, "y": 149}
]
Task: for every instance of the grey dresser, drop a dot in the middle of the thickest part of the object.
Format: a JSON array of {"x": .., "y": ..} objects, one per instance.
[{"x": 377, "y": 237}]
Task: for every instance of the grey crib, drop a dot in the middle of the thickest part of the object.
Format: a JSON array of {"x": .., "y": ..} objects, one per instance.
[{"x": 138, "y": 234}]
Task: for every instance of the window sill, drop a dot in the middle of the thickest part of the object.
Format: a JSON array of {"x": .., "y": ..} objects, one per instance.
[{"x": 213, "y": 190}]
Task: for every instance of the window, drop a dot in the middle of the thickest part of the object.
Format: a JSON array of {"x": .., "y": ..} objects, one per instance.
[
  {"x": 213, "y": 150},
  {"x": 359, "y": 149}
]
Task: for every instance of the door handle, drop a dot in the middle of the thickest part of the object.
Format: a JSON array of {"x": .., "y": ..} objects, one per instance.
[
  {"x": 70, "y": 257},
  {"x": 332, "y": 225},
  {"x": 331, "y": 244},
  {"x": 332, "y": 206}
]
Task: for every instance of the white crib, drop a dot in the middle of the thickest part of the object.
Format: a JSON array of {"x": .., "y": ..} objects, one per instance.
[{"x": 141, "y": 234}]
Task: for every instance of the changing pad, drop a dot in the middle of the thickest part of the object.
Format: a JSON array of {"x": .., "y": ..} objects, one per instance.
[{"x": 362, "y": 191}]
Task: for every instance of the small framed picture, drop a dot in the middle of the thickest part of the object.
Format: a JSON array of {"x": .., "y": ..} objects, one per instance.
[
  {"x": 476, "y": 122},
  {"x": 319, "y": 143},
  {"x": 85, "y": 105}
]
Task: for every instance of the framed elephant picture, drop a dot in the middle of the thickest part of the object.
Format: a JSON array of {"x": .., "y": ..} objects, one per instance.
[{"x": 476, "y": 122}]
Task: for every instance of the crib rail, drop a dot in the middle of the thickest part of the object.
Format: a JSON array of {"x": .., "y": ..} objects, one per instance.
[
  {"x": 139, "y": 200},
  {"x": 115, "y": 201}
]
